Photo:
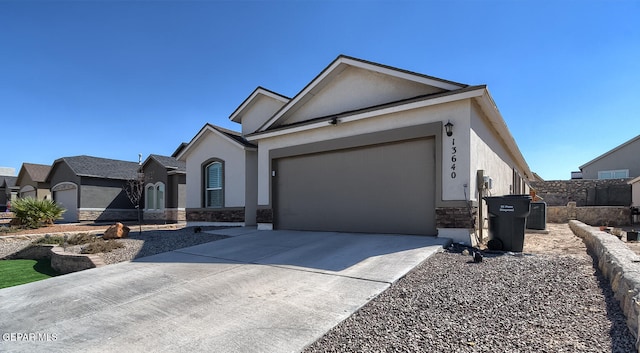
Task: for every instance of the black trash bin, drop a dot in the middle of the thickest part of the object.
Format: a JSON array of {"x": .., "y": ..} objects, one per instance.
[{"x": 507, "y": 221}]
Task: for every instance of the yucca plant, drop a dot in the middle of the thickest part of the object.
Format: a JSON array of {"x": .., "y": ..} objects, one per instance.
[{"x": 33, "y": 213}]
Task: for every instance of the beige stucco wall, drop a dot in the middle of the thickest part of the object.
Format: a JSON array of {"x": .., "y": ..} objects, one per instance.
[
  {"x": 211, "y": 145},
  {"x": 456, "y": 112},
  {"x": 357, "y": 88},
  {"x": 261, "y": 109},
  {"x": 490, "y": 155}
]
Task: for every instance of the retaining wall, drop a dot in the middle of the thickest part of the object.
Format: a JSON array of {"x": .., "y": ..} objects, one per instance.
[
  {"x": 594, "y": 215},
  {"x": 61, "y": 261},
  {"x": 620, "y": 266}
]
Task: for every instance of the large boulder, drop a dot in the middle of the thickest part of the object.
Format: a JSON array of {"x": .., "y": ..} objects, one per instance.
[{"x": 116, "y": 231}]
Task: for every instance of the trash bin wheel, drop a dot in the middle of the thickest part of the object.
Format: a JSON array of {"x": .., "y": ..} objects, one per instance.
[{"x": 495, "y": 244}]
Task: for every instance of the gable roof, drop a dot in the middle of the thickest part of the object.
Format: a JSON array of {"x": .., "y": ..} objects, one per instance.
[
  {"x": 179, "y": 149},
  {"x": 37, "y": 172},
  {"x": 9, "y": 181},
  {"x": 170, "y": 163},
  {"x": 339, "y": 65},
  {"x": 409, "y": 103},
  {"x": 236, "y": 116},
  {"x": 96, "y": 167},
  {"x": 227, "y": 134},
  {"x": 604, "y": 155}
]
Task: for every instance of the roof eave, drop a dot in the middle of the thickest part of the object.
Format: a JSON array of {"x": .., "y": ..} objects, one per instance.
[
  {"x": 471, "y": 92},
  {"x": 497, "y": 121},
  {"x": 201, "y": 133},
  {"x": 236, "y": 116}
]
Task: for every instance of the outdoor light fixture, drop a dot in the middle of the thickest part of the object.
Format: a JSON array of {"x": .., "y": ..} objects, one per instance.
[{"x": 448, "y": 127}]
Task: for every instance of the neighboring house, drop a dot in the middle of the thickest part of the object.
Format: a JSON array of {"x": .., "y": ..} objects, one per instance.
[
  {"x": 619, "y": 163},
  {"x": 363, "y": 148},
  {"x": 8, "y": 191},
  {"x": 32, "y": 181},
  {"x": 164, "y": 189},
  {"x": 91, "y": 188},
  {"x": 221, "y": 177},
  {"x": 635, "y": 191}
]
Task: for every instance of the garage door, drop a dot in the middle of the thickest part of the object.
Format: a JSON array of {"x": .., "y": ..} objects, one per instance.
[
  {"x": 66, "y": 195},
  {"x": 387, "y": 188}
]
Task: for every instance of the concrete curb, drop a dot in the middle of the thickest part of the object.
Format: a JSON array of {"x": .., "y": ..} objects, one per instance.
[{"x": 620, "y": 266}]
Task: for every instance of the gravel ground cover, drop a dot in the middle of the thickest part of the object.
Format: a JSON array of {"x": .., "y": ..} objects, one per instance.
[
  {"x": 506, "y": 303},
  {"x": 149, "y": 242}
]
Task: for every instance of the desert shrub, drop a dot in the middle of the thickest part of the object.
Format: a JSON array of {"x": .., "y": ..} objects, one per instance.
[
  {"x": 82, "y": 238},
  {"x": 78, "y": 239},
  {"x": 48, "y": 239},
  {"x": 101, "y": 246},
  {"x": 33, "y": 213}
]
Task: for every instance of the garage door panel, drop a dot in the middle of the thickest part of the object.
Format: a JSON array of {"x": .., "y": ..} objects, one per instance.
[
  {"x": 383, "y": 188},
  {"x": 67, "y": 197}
]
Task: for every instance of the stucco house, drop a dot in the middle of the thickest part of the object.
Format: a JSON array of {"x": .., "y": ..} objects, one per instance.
[
  {"x": 8, "y": 191},
  {"x": 32, "y": 181},
  {"x": 635, "y": 191},
  {"x": 91, "y": 188},
  {"x": 221, "y": 177},
  {"x": 366, "y": 147},
  {"x": 164, "y": 189},
  {"x": 619, "y": 163}
]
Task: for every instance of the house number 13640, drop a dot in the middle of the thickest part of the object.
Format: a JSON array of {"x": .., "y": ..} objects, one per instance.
[{"x": 453, "y": 158}]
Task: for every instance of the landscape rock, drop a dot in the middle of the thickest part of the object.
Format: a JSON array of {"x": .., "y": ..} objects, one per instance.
[{"x": 116, "y": 231}]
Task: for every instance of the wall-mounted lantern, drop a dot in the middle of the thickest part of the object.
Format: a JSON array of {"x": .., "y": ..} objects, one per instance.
[{"x": 448, "y": 127}]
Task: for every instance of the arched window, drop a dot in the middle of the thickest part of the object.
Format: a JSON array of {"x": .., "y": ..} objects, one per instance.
[
  {"x": 150, "y": 198},
  {"x": 159, "y": 196},
  {"x": 154, "y": 198},
  {"x": 214, "y": 185}
]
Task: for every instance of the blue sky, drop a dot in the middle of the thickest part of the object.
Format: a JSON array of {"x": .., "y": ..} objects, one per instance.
[{"x": 116, "y": 78}]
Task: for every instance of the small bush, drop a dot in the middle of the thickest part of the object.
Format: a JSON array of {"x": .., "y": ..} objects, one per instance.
[
  {"x": 82, "y": 238},
  {"x": 48, "y": 239},
  {"x": 78, "y": 239},
  {"x": 101, "y": 246},
  {"x": 34, "y": 213}
]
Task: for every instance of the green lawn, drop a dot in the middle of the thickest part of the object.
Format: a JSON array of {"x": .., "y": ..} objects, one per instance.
[{"x": 16, "y": 272}]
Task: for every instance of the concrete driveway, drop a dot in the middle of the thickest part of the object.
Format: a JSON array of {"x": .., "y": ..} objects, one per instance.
[{"x": 259, "y": 291}]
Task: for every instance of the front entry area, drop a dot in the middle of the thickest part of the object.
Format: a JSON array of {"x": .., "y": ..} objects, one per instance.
[{"x": 383, "y": 188}]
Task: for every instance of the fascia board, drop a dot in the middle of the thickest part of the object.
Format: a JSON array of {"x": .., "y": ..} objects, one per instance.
[
  {"x": 342, "y": 60},
  {"x": 401, "y": 74},
  {"x": 497, "y": 121},
  {"x": 369, "y": 114},
  {"x": 201, "y": 134},
  {"x": 236, "y": 115}
]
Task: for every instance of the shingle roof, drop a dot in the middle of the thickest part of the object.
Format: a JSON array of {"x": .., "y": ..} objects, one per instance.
[
  {"x": 179, "y": 149},
  {"x": 37, "y": 172},
  {"x": 233, "y": 135},
  {"x": 9, "y": 181},
  {"x": 170, "y": 162},
  {"x": 97, "y": 167}
]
